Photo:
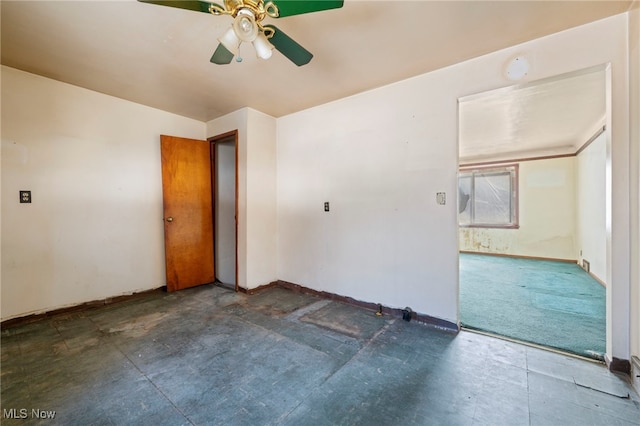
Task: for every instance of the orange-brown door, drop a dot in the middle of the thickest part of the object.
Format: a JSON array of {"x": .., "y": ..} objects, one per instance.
[{"x": 188, "y": 213}]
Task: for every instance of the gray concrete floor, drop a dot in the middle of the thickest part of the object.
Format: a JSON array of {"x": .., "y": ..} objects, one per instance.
[{"x": 211, "y": 356}]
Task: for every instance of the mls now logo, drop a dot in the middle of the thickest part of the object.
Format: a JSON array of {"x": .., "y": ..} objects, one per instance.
[{"x": 23, "y": 413}]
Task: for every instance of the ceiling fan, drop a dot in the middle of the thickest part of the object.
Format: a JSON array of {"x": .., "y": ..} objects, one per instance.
[{"x": 247, "y": 25}]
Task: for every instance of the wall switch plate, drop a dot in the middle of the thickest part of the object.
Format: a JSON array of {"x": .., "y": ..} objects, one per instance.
[
  {"x": 326, "y": 206},
  {"x": 441, "y": 198},
  {"x": 25, "y": 196}
]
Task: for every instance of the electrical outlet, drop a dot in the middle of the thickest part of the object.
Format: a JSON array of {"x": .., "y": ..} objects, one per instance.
[
  {"x": 326, "y": 206},
  {"x": 441, "y": 198},
  {"x": 25, "y": 196}
]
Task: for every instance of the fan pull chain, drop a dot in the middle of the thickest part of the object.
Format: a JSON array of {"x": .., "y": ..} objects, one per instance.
[{"x": 238, "y": 57}]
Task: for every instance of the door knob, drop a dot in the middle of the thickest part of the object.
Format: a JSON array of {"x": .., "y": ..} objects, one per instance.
[{"x": 169, "y": 219}]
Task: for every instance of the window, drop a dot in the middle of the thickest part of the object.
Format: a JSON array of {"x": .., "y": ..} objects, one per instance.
[{"x": 487, "y": 197}]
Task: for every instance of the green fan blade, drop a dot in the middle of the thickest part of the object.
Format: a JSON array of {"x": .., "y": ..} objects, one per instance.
[
  {"x": 198, "y": 6},
  {"x": 298, "y": 7},
  {"x": 221, "y": 56},
  {"x": 288, "y": 47}
]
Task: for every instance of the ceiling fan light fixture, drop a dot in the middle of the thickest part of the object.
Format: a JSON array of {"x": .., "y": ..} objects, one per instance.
[
  {"x": 262, "y": 46},
  {"x": 245, "y": 25},
  {"x": 230, "y": 41}
]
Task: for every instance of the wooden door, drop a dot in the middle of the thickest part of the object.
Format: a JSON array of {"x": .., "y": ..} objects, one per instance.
[{"x": 188, "y": 213}]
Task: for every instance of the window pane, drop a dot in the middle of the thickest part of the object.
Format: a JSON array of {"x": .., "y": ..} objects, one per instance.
[
  {"x": 464, "y": 199},
  {"x": 492, "y": 198}
]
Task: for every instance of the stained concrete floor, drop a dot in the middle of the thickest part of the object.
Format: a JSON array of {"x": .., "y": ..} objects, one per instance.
[{"x": 211, "y": 356}]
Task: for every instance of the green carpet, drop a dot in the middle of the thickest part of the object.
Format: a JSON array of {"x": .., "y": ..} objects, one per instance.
[{"x": 554, "y": 304}]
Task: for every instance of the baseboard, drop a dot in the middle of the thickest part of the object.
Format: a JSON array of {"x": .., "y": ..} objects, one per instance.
[
  {"x": 255, "y": 290},
  {"x": 25, "y": 319},
  {"x": 12, "y": 322},
  {"x": 518, "y": 256},
  {"x": 618, "y": 365},
  {"x": 395, "y": 312},
  {"x": 597, "y": 279}
]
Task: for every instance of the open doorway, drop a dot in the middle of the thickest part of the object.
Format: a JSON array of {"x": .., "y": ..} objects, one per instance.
[
  {"x": 224, "y": 149},
  {"x": 532, "y": 203}
]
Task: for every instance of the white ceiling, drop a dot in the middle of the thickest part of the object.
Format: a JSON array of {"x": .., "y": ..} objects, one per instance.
[
  {"x": 159, "y": 56},
  {"x": 554, "y": 116}
]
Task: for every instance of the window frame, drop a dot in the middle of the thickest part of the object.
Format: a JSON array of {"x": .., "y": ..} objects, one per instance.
[{"x": 513, "y": 171}]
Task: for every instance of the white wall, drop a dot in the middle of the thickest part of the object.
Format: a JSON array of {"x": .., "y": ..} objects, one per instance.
[
  {"x": 92, "y": 162},
  {"x": 546, "y": 214},
  {"x": 591, "y": 206},
  {"x": 225, "y": 205},
  {"x": 261, "y": 199},
  {"x": 257, "y": 196},
  {"x": 379, "y": 157}
]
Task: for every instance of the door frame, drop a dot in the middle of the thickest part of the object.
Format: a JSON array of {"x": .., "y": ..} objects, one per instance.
[
  {"x": 213, "y": 141},
  {"x": 608, "y": 357}
]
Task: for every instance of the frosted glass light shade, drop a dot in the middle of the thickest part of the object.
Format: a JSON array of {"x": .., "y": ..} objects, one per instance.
[
  {"x": 230, "y": 41},
  {"x": 245, "y": 25},
  {"x": 262, "y": 46}
]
